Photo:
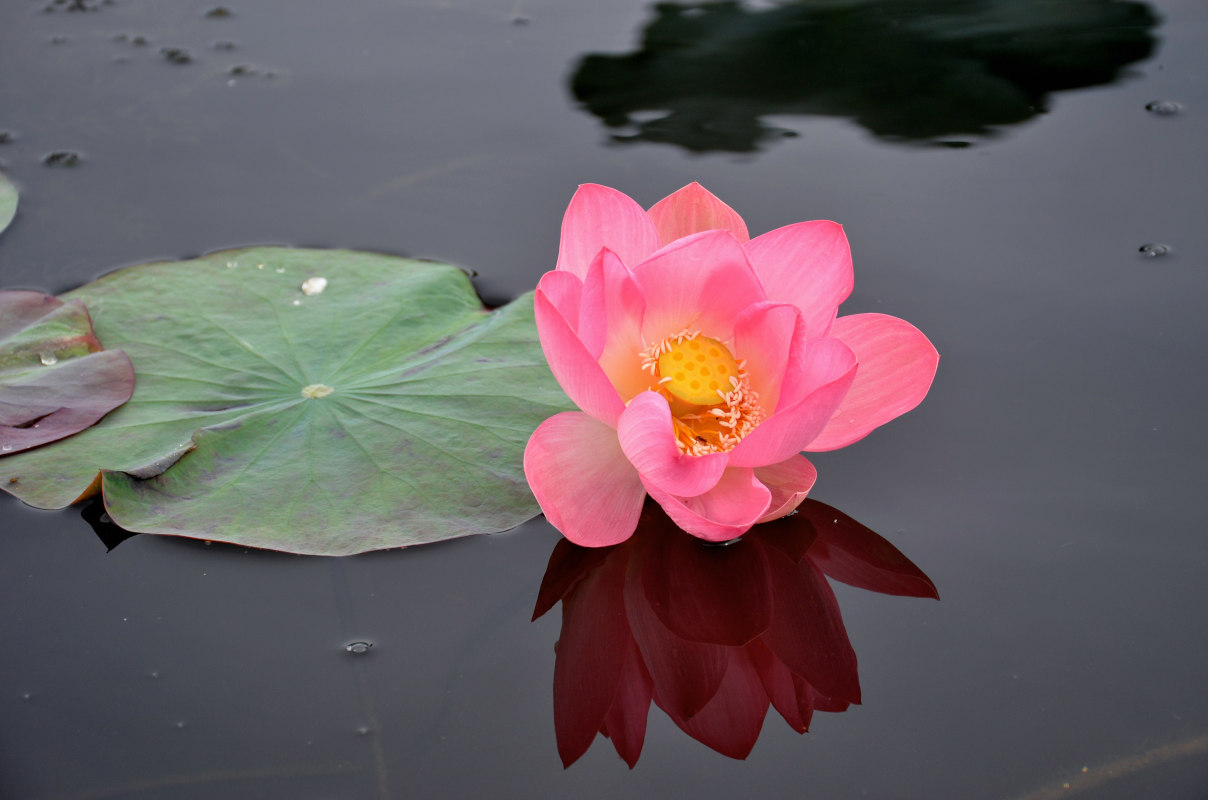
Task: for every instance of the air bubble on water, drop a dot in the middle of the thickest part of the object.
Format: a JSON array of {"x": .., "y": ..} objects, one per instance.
[
  {"x": 313, "y": 286},
  {"x": 1154, "y": 249},
  {"x": 358, "y": 648},
  {"x": 48, "y": 359},
  {"x": 1164, "y": 108}
]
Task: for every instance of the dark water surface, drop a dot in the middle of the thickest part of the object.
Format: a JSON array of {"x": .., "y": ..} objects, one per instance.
[{"x": 997, "y": 172}]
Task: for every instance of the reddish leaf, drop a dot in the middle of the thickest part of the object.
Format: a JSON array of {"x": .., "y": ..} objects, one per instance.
[{"x": 55, "y": 380}]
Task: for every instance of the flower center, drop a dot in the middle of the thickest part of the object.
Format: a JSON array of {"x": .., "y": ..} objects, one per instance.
[
  {"x": 712, "y": 404},
  {"x": 700, "y": 370}
]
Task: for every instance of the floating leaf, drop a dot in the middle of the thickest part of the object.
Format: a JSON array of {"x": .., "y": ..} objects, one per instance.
[
  {"x": 54, "y": 378},
  {"x": 8, "y": 202},
  {"x": 326, "y": 402}
]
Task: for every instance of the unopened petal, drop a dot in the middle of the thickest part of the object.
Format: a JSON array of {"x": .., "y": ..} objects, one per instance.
[
  {"x": 694, "y": 209},
  {"x": 601, "y": 217},
  {"x": 584, "y": 484},
  {"x": 896, "y": 366}
]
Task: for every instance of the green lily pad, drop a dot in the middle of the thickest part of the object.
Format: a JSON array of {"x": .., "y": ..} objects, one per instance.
[
  {"x": 326, "y": 402},
  {"x": 8, "y": 202},
  {"x": 54, "y": 378}
]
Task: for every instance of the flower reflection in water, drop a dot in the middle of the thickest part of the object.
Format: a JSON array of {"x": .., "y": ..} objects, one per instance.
[{"x": 712, "y": 635}]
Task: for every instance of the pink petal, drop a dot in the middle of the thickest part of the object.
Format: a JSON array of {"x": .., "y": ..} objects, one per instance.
[
  {"x": 702, "y": 282},
  {"x": 727, "y": 510},
  {"x": 694, "y": 209},
  {"x": 579, "y": 375},
  {"x": 611, "y": 313},
  {"x": 896, "y": 366},
  {"x": 582, "y": 481},
  {"x": 789, "y": 482},
  {"x": 565, "y": 292},
  {"x": 807, "y": 264},
  {"x": 763, "y": 337},
  {"x": 648, "y": 441},
  {"x": 790, "y": 429},
  {"x": 601, "y": 217}
]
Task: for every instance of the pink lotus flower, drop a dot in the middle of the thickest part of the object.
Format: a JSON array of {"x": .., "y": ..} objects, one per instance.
[{"x": 704, "y": 362}]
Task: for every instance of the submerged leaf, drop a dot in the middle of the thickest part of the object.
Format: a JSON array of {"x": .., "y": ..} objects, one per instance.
[
  {"x": 8, "y": 202},
  {"x": 54, "y": 378},
  {"x": 326, "y": 402}
]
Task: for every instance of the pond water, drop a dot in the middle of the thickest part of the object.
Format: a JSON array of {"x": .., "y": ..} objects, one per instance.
[{"x": 1003, "y": 171}]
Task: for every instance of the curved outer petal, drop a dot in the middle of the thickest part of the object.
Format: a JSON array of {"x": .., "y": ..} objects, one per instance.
[
  {"x": 583, "y": 482},
  {"x": 727, "y": 510},
  {"x": 694, "y": 209},
  {"x": 789, "y": 482},
  {"x": 702, "y": 281},
  {"x": 807, "y": 264},
  {"x": 611, "y": 312},
  {"x": 829, "y": 370},
  {"x": 897, "y": 365},
  {"x": 602, "y": 217},
  {"x": 648, "y": 441},
  {"x": 579, "y": 375}
]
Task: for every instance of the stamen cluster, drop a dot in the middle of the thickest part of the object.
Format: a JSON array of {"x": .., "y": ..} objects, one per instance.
[{"x": 704, "y": 428}]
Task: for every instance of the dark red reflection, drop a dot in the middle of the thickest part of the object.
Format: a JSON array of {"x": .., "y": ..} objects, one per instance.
[{"x": 712, "y": 635}]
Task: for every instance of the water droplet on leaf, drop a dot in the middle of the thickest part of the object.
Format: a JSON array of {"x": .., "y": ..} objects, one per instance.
[
  {"x": 1154, "y": 249},
  {"x": 313, "y": 286},
  {"x": 358, "y": 648},
  {"x": 48, "y": 359}
]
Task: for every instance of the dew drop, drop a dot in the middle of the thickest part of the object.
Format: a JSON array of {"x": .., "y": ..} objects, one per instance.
[
  {"x": 313, "y": 286},
  {"x": 27, "y": 696},
  {"x": 179, "y": 724},
  {"x": 364, "y": 730},
  {"x": 6, "y": 448},
  {"x": 259, "y": 266},
  {"x": 297, "y": 302},
  {"x": 358, "y": 648},
  {"x": 1164, "y": 108},
  {"x": 48, "y": 359},
  {"x": 280, "y": 270},
  {"x": 316, "y": 390},
  {"x": 232, "y": 264},
  {"x": 1154, "y": 249}
]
